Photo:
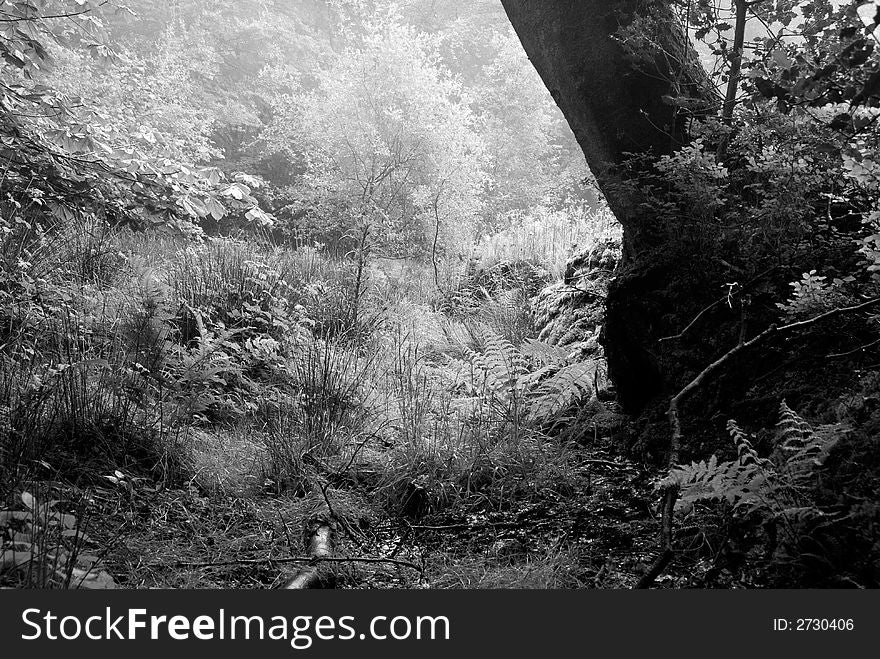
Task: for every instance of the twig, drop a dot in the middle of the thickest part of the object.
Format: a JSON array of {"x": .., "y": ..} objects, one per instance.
[
  {"x": 284, "y": 528},
  {"x": 852, "y": 352},
  {"x": 238, "y": 561},
  {"x": 477, "y": 525},
  {"x": 354, "y": 453},
  {"x": 723, "y": 298},
  {"x": 655, "y": 570},
  {"x": 446, "y": 527},
  {"x": 324, "y": 488},
  {"x": 607, "y": 463},
  {"x": 47, "y": 17},
  {"x": 392, "y": 561}
]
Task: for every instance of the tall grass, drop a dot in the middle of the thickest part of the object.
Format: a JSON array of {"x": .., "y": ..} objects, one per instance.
[
  {"x": 454, "y": 437},
  {"x": 548, "y": 237},
  {"x": 80, "y": 354},
  {"x": 328, "y": 414}
]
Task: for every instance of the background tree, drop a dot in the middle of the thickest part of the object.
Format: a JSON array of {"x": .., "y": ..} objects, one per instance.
[{"x": 390, "y": 149}]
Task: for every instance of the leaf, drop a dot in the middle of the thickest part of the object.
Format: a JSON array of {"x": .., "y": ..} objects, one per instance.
[
  {"x": 767, "y": 88},
  {"x": 871, "y": 89},
  {"x": 194, "y": 206},
  {"x": 7, "y": 515},
  {"x": 260, "y": 217},
  {"x": 28, "y": 499},
  {"x": 237, "y": 191},
  {"x": 12, "y": 559},
  {"x": 781, "y": 59},
  {"x": 841, "y": 121},
  {"x": 68, "y": 521},
  {"x": 215, "y": 208},
  {"x": 100, "y": 580}
]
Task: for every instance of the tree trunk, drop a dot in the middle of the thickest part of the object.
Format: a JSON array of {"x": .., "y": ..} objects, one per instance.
[{"x": 615, "y": 105}]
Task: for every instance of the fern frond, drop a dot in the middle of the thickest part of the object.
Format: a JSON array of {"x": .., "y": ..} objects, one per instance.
[
  {"x": 501, "y": 355},
  {"x": 545, "y": 353},
  {"x": 744, "y": 449},
  {"x": 567, "y": 386},
  {"x": 801, "y": 447},
  {"x": 778, "y": 489},
  {"x": 792, "y": 432}
]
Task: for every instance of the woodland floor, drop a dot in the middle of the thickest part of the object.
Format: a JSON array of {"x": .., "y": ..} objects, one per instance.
[{"x": 600, "y": 531}]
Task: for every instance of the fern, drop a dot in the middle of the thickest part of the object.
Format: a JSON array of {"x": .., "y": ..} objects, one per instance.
[
  {"x": 773, "y": 487},
  {"x": 801, "y": 448},
  {"x": 744, "y": 449},
  {"x": 540, "y": 379},
  {"x": 545, "y": 353},
  {"x": 737, "y": 484},
  {"x": 567, "y": 386},
  {"x": 501, "y": 366}
]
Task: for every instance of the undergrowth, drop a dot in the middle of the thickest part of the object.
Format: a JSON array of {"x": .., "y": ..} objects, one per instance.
[{"x": 241, "y": 369}]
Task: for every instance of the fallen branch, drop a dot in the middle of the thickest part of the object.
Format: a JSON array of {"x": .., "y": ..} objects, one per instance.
[
  {"x": 392, "y": 561},
  {"x": 298, "y": 559},
  {"x": 480, "y": 525},
  {"x": 670, "y": 494},
  {"x": 320, "y": 545},
  {"x": 837, "y": 355},
  {"x": 452, "y": 527}
]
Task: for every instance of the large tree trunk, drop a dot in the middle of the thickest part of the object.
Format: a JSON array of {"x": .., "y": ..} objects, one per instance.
[{"x": 615, "y": 105}]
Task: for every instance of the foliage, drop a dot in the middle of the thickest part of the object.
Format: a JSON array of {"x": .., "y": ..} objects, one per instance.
[
  {"x": 151, "y": 326},
  {"x": 780, "y": 489},
  {"x": 64, "y": 158},
  {"x": 783, "y": 172},
  {"x": 547, "y": 236},
  {"x": 813, "y": 295},
  {"x": 535, "y": 382},
  {"x": 389, "y": 148},
  {"x": 42, "y": 547}
]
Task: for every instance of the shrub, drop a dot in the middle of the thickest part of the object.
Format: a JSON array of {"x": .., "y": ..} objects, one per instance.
[{"x": 80, "y": 367}]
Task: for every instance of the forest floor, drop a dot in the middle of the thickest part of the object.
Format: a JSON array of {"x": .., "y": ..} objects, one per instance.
[{"x": 598, "y": 531}]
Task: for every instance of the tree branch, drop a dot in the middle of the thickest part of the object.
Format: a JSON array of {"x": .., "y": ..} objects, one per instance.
[{"x": 52, "y": 16}]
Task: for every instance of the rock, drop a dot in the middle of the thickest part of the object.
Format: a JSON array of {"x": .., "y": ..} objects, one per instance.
[
  {"x": 607, "y": 422},
  {"x": 571, "y": 311}
]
